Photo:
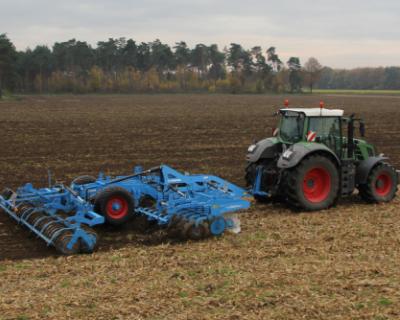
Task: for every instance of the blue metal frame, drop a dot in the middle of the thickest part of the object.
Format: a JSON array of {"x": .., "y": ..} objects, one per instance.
[
  {"x": 197, "y": 198},
  {"x": 256, "y": 188},
  {"x": 194, "y": 198}
]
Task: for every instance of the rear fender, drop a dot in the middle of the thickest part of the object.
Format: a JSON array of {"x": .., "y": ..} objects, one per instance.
[{"x": 295, "y": 153}]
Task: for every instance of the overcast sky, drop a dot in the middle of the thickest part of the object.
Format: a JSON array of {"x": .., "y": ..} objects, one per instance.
[{"x": 339, "y": 33}]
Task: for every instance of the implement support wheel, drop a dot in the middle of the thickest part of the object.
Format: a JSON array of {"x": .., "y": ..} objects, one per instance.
[{"x": 116, "y": 205}]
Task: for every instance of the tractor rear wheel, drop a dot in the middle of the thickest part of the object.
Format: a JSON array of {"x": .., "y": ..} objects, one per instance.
[
  {"x": 381, "y": 185},
  {"x": 313, "y": 184},
  {"x": 116, "y": 204}
]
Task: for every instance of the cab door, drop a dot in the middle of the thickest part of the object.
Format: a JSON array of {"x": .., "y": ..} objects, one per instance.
[{"x": 326, "y": 130}]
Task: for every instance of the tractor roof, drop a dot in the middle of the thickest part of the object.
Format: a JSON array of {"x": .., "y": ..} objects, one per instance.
[{"x": 317, "y": 112}]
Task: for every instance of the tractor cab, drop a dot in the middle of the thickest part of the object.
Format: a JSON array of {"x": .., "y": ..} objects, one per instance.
[
  {"x": 311, "y": 125},
  {"x": 325, "y": 126}
]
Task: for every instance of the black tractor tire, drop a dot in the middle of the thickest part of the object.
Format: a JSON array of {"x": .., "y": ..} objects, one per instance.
[
  {"x": 83, "y": 180},
  {"x": 381, "y": 185},
  {"x": 116, "y": 204},
  {"x": 313, "y": 184}
]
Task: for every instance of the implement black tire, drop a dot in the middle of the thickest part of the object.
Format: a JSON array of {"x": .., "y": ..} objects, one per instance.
[
  {"x": 381, "y": 184},
  {"x": 83, "y": 180},
  {"x": 313, "y": 184},
  {"x": 116, "y": 205}
]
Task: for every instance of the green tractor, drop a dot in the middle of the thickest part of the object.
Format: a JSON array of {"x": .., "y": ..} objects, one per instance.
[{"x": 313, "y": 159}]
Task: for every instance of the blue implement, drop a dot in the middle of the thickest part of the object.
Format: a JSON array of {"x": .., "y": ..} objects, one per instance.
[
  {"x": 189, "y": 206},
  {"x": 172, "y": 198}
]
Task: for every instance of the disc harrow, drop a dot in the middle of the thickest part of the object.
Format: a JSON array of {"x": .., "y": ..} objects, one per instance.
[
  {"x": 183, "y": 228},
  {"x": 41, "y": 211},
  {"x": 187, "y": 206}
]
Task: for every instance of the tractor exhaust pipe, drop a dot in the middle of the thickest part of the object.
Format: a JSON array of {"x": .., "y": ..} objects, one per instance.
[{"x": 350, "y": 137}]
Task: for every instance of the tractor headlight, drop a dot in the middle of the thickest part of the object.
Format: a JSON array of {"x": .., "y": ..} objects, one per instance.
[
  {"x": 252, "y": 148},
  {"x": 288, "y": 154}
]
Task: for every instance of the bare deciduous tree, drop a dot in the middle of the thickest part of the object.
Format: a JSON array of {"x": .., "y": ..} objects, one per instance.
[{"x": 312, "y": 70}]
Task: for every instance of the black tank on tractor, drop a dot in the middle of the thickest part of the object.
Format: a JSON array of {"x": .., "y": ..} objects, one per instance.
[{"x": 314, "y": 158}]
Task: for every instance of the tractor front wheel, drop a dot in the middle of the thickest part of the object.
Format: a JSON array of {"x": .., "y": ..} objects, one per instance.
[
  {"x": 381, "y": 185},
  {"x": 115, "y": 204},
  {"x": 313, "y": 184}
]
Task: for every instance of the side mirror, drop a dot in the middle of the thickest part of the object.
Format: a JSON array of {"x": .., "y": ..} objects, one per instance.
[{"x": 362, "y": 129}]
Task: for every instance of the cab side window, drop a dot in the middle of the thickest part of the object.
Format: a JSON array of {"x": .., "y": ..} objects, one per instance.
[
  {"x": 326, "y": 126},
  {"x": 327, "y": 131}
]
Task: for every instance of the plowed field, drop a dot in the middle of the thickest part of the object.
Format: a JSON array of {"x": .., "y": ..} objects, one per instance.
[{"x": 342, "y": 263}]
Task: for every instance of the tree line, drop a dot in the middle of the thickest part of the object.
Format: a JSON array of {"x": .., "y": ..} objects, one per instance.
[
  {"x": 125, "y": 66},
  {"x": 360, "y": 79}
]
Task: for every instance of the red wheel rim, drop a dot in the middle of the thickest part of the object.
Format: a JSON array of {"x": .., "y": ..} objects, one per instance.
[
  {"x": 117, "y": 207},
  {"x": 317, "y": 185},
  {"x": 383, "y": 184}
]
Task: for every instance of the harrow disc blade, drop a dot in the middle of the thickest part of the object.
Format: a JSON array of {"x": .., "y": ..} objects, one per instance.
[
  {"x": 197, "y": 232},
  {"x": 23, "y": 209},
  {"x": 52, "y": 229},
  {"x": 34, "y": 217},
  {"x": 85, "y": 248},
  {"x": 63, "y": 241},
  {"x": 175, "y": 226}
]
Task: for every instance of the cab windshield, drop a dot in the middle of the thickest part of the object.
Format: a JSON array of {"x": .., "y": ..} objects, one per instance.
[{"x": 291, "y": 128}]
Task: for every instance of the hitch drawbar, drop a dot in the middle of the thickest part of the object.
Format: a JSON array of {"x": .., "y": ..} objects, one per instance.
[{"x": 188, "y": 206}]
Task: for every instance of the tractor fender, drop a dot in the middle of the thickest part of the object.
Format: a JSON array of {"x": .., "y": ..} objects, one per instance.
[
  {"x": 365, "y": 167},
  {"x": 295, "y": 153},
  {"x": 263, "y": 149}
]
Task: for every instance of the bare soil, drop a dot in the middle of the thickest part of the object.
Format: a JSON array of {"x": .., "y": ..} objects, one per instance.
[{"x": 342, "y": 263}]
